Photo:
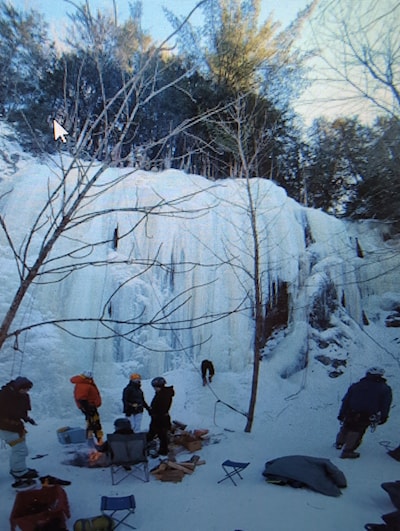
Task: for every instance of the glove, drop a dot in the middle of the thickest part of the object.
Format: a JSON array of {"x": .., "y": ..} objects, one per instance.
[
  {"x": 84, "y": 404},
  {"x": 31, "y": 421},
  {"x": 91, "y": 410}
]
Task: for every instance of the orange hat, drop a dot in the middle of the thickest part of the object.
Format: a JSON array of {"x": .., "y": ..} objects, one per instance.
[{"x": 135, "y": 376}]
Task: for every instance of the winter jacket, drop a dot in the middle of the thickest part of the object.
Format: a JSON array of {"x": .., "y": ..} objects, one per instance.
[
  {"x": 369, "y": 396},
  {"x": 160, "y": 405},
  {"x": 85, "y": 392},
  {"x": 207, "y": 365},
  {"x": 301, "y": 470},
  {"x": 14, "y": 407},
  {"x": 133, "y": 399}
]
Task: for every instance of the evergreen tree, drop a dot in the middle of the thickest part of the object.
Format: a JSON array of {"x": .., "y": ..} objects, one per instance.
[
  {"x": 337, "y": 159},
  {"x": 377, "y": 193},
  {"x": 25, "y": 55}
]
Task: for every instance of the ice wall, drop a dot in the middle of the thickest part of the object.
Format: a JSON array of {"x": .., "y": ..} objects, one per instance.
[{"x": 172, "y": 270}]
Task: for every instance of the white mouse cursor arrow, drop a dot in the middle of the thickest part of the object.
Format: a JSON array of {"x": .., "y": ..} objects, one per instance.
[{"x": 59, "y": 131}]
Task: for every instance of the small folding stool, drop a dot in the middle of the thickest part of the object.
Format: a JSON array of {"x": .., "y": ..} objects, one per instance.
[
  {"x": 232, "y": 468},
  {"x": 119, "y": 503}
]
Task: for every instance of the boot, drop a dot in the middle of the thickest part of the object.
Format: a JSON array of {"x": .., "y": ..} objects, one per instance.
[
  {"x": 349, "y": 455},
  {"x": 353, "y": 441},
  {"x": 395, "y": 453},
  {"x": 31, "y": 473}
]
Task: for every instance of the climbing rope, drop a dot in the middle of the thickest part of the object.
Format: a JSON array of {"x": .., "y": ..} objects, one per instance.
[{"x": 191, "y": 361}]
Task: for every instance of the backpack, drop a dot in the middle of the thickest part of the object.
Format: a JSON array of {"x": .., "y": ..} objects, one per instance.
[{"x": 96, "y": 523}]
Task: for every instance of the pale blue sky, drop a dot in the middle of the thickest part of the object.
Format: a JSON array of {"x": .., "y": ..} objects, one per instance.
[{"x": 154, "y": 20}]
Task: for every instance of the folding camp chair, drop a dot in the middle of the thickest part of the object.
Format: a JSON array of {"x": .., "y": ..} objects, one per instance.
[
  {"x": 110, "y": 505},
  {"x": 128, "y": 456},
  {"x": 232, "y": 468}
]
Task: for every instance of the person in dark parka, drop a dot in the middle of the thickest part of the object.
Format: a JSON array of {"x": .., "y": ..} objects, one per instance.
[
  {"x": 14, "y": 407},
  {"x": 122, "y": 426},
  {"x": 134, "y": 402},
  {"x": 367, "y": 401},
  {"x": 207, "y": 366},
  {"x": 159, "y": 411}
]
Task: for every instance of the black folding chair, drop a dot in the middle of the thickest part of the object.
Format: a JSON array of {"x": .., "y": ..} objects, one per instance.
[
  {"x": 128, "y": 455},
  {"x": 110, "y": 505},
  {"x": 232, "y": 468}
]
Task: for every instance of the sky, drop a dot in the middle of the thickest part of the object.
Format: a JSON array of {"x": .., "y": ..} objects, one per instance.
[
  {"x": 295, "y": 415},
  {"x": 153, "y": 17}
]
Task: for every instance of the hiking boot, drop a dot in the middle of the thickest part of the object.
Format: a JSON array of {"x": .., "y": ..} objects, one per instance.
[
  {"x": 395, "y": 454},
  {"x": 338, "y": 446},
  {"x": 51, "y": 480},
  {"x": 163, "y": 453},
  {"x": 349, "y": 455},
  {"x": 31, "y": 473}
]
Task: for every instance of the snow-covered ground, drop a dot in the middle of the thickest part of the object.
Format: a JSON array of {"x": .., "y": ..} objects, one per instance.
[{"x": 296, "y": 416}]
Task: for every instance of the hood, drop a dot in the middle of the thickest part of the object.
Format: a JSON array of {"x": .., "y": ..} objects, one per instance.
[
  {"x": 21, "y": 383},
  {"x": 168, "y": 391},
  {"x": 374, "y": 378},
  {"x": 80, "y": 378}
]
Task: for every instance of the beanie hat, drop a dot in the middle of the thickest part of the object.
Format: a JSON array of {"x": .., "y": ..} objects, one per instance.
[
  {"x": 135, "y": 376},
  {"x": 87, "y": 374},
  {"x": 22, "y": 383},
  {"x": 122, "y": 424},
  {"x": 377, "y": 371}
]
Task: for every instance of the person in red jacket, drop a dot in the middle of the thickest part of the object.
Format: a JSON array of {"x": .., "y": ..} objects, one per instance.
[{"x": 88, "y": 399}]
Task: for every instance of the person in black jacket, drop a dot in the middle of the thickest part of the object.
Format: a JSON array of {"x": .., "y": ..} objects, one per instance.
[
  {"x": 14, "y": 406},
  {"x": 122, "y": 426},
  {"x": 366, "y": 403},
  {"x": 207, "y": 366},
  {"x": 159, "y": 411},
  {"x": 134, "y": 402}
]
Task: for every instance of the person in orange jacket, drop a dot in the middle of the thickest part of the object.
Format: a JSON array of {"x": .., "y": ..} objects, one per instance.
[{"x": 88, "y": 399}]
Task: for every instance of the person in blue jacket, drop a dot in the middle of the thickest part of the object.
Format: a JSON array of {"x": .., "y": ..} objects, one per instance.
[{"x": 366, "y": 403}]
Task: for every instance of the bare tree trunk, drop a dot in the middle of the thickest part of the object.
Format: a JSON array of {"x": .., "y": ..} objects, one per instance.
[{"x": 258, "y": 312}]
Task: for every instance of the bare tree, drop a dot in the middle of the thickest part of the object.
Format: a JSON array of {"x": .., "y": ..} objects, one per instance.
[
  {"x": 72, "y": 202},
  {"x": 359, "y": 44},
  {"x": 248, "y": 254}
]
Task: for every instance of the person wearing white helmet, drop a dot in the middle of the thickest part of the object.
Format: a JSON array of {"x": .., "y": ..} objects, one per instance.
[
  {"x": 88, "y": 400},
  {"x": 366, "y": 403}
]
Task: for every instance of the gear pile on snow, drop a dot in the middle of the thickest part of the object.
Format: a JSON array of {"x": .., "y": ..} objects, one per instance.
[
  {"x": 190, "y": 440},
  {"x": 170, "y": 470}
]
